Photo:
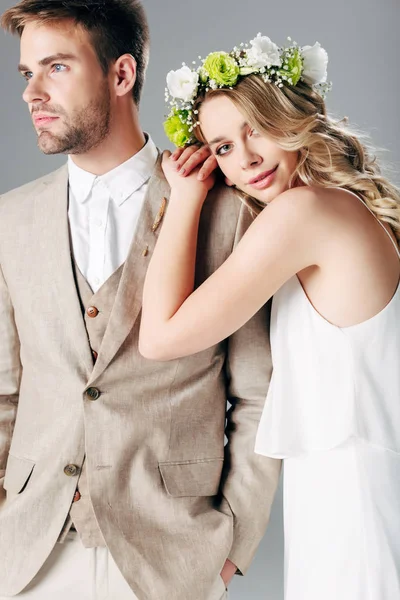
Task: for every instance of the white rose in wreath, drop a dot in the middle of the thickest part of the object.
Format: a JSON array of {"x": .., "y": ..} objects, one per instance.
[
  {"x": 315, "y": 63},
  {"x": 183, "y": 83},
  {"x": 263, "y": 53}
]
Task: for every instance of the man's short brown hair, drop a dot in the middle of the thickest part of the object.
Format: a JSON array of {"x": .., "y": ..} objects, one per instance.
[{"x": 116, "y": 27}]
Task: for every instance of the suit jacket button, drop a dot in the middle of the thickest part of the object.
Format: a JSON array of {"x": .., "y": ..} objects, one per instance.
[
  {"x": 93, "y": 393},
  {"x": 71, "y": 470},
  {"x": 92, "y": 312}
]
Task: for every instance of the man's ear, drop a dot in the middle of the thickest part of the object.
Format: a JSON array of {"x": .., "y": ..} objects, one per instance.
[{"x": 125, "y": 74}]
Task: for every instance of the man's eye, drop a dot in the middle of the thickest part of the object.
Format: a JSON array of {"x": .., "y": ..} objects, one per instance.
[
  {"x": 59, "y": 68},
  {"x": 223, "y": 150},
  {"x": 27, "y": 75}
]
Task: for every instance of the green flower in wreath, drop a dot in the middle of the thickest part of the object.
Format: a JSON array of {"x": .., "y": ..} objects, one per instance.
[
  {"x": 177, "y": 129},
  {"x": 222, "y": 68},
  {"x": 292, "y": 66}
]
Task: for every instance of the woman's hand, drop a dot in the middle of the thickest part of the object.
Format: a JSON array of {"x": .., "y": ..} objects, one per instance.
[
  {"x": 188, "y": 159},
  {"x": 190, "y": 185}
]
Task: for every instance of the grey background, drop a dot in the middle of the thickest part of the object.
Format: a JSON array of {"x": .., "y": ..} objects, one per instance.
[{"x": 362, "y": 39}]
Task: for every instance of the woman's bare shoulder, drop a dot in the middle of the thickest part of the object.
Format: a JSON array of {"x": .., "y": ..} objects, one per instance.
[
  {"x": 299, "y": 205},
  {"x": 321, "y": 202}
]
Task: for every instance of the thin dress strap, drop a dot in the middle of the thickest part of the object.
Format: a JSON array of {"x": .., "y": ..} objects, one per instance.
[{"x": 375, "y": 217}]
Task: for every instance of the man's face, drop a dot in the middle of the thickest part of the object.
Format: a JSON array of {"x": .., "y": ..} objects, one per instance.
[{"x": 67, "y": 92}]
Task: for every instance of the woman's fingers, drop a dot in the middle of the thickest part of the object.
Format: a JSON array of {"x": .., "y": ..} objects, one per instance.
[
  {"x": 188, "y": 159},
  {"x": 208, "y": 167},
  {"x": 183, "y": 164},
  {"x": 177, "y": 153},
  {"x": 195, "y": 157}
]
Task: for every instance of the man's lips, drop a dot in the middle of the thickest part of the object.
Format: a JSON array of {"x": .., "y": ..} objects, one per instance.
[
  {"x": 263, "y": 180},
  {"x": 41, "y": 120}
]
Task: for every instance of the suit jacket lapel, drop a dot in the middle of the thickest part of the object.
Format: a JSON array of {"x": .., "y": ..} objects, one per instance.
[
  {"x": 52, "y": 216},
  {"x": 128, "y": 301}
]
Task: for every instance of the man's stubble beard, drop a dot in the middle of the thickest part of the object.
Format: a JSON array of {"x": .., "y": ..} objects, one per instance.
[{"x": 86, "y": 128}]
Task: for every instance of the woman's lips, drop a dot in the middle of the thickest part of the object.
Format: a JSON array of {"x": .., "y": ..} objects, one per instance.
[{"x": 263, "y": 180}]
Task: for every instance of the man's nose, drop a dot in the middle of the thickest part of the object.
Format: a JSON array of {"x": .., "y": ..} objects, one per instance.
[{"x": 35, "y": 92}]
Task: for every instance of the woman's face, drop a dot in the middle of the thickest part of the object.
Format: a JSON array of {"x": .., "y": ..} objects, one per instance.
[{"x": 250, "y": 161}]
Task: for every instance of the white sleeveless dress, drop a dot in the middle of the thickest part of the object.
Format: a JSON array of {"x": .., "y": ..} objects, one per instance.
[{"x": 333, "y": 414}]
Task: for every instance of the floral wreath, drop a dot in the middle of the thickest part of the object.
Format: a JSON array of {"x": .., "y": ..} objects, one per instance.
[{"x": 281, "y": 66}]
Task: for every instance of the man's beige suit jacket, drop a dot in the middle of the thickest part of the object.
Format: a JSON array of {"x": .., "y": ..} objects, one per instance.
[{"x": 171, "y": 501}]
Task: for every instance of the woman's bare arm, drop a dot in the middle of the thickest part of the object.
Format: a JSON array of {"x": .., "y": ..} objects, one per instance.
[{"x": 177, "y": 321}]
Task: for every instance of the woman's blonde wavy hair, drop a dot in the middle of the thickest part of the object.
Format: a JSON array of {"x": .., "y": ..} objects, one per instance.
[{"x": 330, "y": 155}]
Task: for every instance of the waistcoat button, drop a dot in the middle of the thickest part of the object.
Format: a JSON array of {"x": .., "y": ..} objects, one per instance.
[{"x": 92, "y": 312}]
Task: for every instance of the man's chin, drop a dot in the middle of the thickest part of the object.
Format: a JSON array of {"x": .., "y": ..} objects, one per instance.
[
  {"x": 49, "y": 150},
  {"x": 48, "y": 144}
]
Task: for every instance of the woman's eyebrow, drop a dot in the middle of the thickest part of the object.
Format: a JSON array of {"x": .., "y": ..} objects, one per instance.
[{"x": 222, "y": 137}]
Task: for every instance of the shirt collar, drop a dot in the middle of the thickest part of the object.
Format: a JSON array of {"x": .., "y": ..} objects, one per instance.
[
  {"x": 80, "y": 181},
  {"x": 122, "y": 181}
]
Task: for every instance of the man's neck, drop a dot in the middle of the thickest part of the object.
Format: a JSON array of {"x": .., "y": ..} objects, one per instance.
[{"x": 114, "y": 151}]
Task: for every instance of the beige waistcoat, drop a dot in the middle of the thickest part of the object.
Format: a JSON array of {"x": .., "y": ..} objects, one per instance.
[{"x": 96, "y": 311}]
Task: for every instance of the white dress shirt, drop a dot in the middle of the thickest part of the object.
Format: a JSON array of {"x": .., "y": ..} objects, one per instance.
[{"x": 103, "y": 213}]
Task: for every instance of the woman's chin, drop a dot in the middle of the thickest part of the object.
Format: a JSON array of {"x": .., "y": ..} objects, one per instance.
[{"x": 268, "y": 195}]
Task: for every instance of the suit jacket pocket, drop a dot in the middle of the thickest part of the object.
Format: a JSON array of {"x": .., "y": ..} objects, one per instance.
[
  {"x": 17, "y": 475},
  {"x": 192, "y": 477}
]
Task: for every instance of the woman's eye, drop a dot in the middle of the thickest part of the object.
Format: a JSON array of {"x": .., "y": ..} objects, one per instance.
[{"x": 223, "y": 150}]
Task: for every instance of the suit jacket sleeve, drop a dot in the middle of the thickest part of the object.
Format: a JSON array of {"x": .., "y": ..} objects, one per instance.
[
  {"x": 250, "y": 480},
  {"x": 10, "y": 376}
]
